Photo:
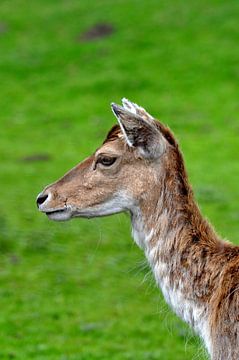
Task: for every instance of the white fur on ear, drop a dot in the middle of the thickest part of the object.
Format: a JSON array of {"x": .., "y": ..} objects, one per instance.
[
  {"x": 128, "y": 105},
  {"x": 136, "y": 109},
  {"x": 121, "y": 125}
]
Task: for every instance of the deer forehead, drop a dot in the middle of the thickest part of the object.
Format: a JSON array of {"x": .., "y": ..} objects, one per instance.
[{"x": 116, "y": 147}]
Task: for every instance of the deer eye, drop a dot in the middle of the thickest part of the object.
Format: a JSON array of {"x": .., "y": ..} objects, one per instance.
[{"x": 106, "y": 160}]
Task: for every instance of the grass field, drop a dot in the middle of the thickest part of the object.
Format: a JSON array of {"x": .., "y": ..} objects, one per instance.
[{"x": 81, "y": 290}]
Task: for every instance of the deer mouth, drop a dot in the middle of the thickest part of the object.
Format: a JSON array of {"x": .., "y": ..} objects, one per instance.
[
  {"x": 55, "y": 211},
  {"x": 62, "y": 214}
]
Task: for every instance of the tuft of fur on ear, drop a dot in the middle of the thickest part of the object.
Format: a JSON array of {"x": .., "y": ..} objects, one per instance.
[
  {"x": 140, "y": 133},
  {"x": 137, "y": 110}
]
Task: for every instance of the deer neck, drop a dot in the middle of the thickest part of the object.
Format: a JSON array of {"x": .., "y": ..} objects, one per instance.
[
  {"x": 169, "y": 227},
  {"x": 160, "y": 229},
  {"x": 166, "y": 220},
  {"x": 162, "y": 219}
]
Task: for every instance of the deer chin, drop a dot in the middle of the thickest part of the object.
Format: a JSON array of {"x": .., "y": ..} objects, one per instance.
[
  {"x": 63, "y": 214},
  {"x": 114, "y": 205}
]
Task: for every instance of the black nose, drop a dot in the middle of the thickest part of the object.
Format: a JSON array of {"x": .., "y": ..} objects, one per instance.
[{"x": 41, "y": 199}]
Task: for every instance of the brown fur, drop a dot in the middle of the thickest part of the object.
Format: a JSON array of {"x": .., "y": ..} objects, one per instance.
[{"x": 186, "y": 255}]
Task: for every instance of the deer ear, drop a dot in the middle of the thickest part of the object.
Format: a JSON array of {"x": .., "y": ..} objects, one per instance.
[{"x": 140, "y": 133}]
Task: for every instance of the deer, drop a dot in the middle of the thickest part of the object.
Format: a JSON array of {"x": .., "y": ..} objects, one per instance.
[{"x": 139, "y": 169}]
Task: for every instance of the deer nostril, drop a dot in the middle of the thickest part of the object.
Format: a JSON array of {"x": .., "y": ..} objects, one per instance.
[{"x": 41, "y": 199}]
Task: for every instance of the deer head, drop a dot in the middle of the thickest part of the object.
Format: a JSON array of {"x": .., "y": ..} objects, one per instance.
[{"x": 129, "y": 165}]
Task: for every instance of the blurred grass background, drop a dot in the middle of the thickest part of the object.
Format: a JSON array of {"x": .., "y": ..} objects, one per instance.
[{"x": 81, "y": 290}]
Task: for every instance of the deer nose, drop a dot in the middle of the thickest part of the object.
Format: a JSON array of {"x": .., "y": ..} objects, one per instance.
[{"x": 41, "y": 199}]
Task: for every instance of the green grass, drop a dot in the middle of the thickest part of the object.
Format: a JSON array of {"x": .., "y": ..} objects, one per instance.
[{"x": 80, "y": 290}]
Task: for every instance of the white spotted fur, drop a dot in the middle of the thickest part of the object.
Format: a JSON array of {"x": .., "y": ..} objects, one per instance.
[{"x": 188, "y": 310}]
